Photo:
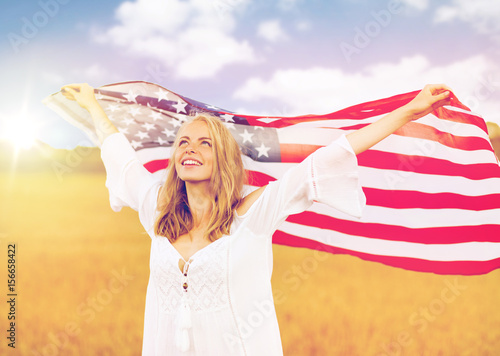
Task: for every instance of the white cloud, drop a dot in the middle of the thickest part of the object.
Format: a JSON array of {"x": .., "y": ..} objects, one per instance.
[
  {"x": 482, "y": 15},
  {"x": 271, "y": 31},
  {"x": 419, "y": 5},
  {"x": 445, "y": 14},
  {"x": 321, "y": 90},
  {"x": 193, "y": 37}
]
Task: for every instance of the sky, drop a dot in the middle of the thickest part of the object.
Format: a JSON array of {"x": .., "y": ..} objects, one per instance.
[{"x": 263, "y": 57}]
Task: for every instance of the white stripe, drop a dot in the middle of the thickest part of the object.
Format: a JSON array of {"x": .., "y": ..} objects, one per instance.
[
  {"x": 452, "y": 127},
  {"x": 308, "y": 135},
  {"x": 453, "y": 108},
  {"x": 467, "y": 251},
  {"x": 416, "y": 217}
]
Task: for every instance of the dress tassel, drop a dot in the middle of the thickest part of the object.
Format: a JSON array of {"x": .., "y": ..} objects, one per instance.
[
  {"x": 185, "y": 317},
  {"x": 182, "y": 340},
  {"x": 182, "y": 334}
]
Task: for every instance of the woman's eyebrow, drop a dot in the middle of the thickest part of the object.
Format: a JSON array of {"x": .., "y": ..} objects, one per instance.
[{"x": 201, "y": 138}]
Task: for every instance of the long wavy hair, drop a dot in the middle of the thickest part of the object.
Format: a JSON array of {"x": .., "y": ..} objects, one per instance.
[{"x": 226, "y": 186}]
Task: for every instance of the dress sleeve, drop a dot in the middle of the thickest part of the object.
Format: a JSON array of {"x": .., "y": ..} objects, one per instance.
[
  {"x": 329, "y": 176},
  {"x": 128, "y": 182}
]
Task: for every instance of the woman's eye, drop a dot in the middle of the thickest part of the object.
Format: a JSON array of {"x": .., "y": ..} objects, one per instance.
[
  {"x": 183, "y": 143},
  {"x": 206, "y": 143}
]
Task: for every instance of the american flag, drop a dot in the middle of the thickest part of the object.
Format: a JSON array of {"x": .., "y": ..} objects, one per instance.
[{"x": 432, "y": 187}]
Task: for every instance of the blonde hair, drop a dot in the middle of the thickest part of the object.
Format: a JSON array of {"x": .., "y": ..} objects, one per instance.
[{"x": 226, "y": 185}]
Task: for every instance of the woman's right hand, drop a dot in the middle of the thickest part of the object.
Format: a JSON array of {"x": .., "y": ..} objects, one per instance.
[{"x": 83, "y": 94}]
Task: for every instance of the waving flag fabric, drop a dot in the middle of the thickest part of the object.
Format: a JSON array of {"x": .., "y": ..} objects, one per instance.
[{"x": 432, "y": 188}]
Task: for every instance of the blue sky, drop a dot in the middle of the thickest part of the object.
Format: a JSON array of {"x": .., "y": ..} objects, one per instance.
[{"x": 282, "y": 57}]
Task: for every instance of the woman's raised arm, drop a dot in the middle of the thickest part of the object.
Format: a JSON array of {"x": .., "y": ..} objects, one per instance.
[
  {"x": 429, "y": 99},
  {"x": 83, "y": 94}
]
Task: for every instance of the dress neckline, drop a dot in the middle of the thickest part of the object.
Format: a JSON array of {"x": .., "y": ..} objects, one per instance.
[{"x": 192, "y": 257}]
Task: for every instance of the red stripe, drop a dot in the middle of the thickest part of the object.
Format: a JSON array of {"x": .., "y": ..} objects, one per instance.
[
  {"x": 418, "y": 130},
  {"x": 156, "y": 165},
  {"x": 356, "y": 112},
  {"x": 258, "y": 179},
  {"x": 456, "y": 116},
  {"x": 368, "y": 109},
  {"x": 407, "y": 199},
  {"x": 413, "y": 264},
  {"x": 295, "y": 153},
  {"x": 429, "y": 235}
]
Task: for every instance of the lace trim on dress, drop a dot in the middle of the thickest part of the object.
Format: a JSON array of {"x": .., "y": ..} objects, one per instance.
[{"x": 207, "y": 278}]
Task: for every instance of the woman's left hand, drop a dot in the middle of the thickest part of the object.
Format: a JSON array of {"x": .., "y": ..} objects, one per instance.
[{"x": 430, "y": 98}]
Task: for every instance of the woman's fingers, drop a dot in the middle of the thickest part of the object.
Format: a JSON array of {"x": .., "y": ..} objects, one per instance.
[
  {"x": 441, "y": 95},
  {"x": 82, "y": 93}
]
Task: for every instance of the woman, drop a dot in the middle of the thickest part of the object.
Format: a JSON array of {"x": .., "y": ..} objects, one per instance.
[{"x": 209, "y": 290}]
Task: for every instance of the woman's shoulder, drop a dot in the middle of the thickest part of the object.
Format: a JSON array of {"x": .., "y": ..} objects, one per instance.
[{"x": 249, "y": 200}]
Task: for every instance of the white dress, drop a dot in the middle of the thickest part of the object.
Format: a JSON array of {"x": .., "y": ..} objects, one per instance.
[{"x": 229, "y": 296}]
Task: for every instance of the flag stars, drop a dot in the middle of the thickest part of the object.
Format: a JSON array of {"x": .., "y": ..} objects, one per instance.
[
  {"x": 147, "y": 126},
  {"x": 155, "y": 115},
  {"x": 124, "y": 130},
  {"x": 136, "y": 144},
  {"x": 131, "y": 96},
  {"x": 112, "y": 107},
  {"x": 134, "y": 111},
  {"x": 180, "y": 107},
  {"x": 162, "y": 95},
  {"x": 175, "y": 123},
  {"x": 262, "y": 149},
  {"x": 168, "y": 132},
  {"x": 142, "y": 135},
  {"x": 161, "y": 141},
  {"x": 128, "y": 121},
  {"x": 230, "y": 125},
  {"x": 227, "y": 118},
  {"x": 246, "y": 136}
]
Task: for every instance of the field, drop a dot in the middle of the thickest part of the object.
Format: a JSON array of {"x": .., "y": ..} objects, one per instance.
[{"x": 82, "y": 272}]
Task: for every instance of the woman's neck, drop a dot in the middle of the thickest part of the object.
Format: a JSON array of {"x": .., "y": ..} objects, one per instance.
[{"x": 200, "y": 202}]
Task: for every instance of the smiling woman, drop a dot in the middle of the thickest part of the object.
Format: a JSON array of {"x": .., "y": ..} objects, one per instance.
[{"x": 209, "y": 290}]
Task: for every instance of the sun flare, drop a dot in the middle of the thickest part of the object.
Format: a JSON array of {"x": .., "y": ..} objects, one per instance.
[{"x": 19, "y": 132}]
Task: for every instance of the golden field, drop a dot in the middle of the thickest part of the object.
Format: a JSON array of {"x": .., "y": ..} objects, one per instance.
[{"x": 82, "y": 272}]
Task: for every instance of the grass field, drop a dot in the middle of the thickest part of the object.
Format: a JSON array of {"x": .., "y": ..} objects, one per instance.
[{"x": 82, "y": 272}]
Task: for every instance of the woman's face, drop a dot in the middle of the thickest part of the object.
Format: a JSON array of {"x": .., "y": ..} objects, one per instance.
[{"x": 193, "y": 158}]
